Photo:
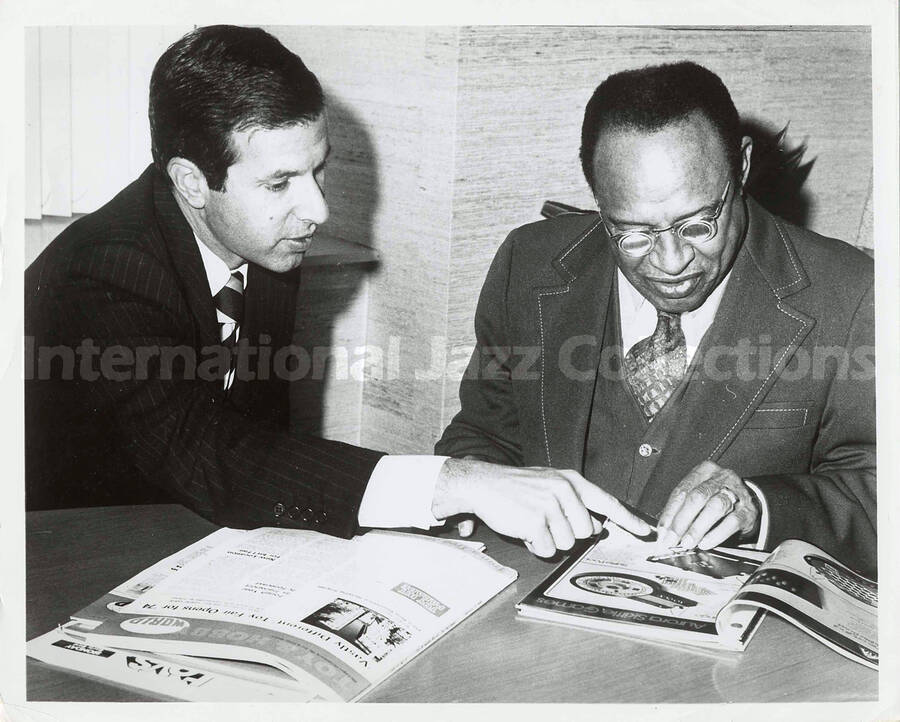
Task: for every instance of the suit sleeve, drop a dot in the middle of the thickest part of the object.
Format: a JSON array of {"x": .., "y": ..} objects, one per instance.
[
  {"x": 179, "y": 429},
  {"x": 487, "y": 425},
  {"x": 834, "y": 506}
]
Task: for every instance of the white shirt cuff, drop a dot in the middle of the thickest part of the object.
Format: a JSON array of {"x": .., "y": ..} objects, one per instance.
[
  {"x": 400, "y": 492},
  {"x": 763, "y": 517}
]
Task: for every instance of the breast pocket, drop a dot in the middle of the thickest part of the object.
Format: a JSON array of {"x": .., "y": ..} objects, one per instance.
[{"x": 780, "y": 415}]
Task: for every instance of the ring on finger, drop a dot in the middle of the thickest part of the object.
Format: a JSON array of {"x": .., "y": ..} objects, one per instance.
[{"x": 730, "y": 495}]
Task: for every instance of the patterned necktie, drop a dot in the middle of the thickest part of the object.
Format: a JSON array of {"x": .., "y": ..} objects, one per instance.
[
  {"x": 654, "y": 365},
  {"x": 230, "y": 302}
]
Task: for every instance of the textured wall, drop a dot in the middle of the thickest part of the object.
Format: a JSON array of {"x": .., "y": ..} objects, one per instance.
[{"x": 392, "y": 98}]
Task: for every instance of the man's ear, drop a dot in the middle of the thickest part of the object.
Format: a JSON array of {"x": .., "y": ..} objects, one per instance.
[
  {"x": 746, "y": 152},
  {"x": 188, "y": 181}
]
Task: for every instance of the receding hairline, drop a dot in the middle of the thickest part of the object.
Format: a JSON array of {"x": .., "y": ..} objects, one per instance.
[{"x": 635, "y": 129}]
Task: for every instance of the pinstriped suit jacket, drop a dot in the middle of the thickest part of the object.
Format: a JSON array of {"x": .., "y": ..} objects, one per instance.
[{"x": 128, "y": 282}]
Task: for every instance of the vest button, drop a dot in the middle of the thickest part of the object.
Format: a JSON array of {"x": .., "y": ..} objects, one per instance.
[{"x": 645, "y": 449}]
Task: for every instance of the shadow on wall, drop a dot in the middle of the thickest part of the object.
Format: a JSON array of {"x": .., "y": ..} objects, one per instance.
[
  {"x": 352, "y": 186},
  {"x": 778, "y": 173},
  {"x": 328, "y": 326}
]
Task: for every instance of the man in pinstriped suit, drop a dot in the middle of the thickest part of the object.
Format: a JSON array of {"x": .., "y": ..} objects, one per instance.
[{"x": 159, "y": 325}]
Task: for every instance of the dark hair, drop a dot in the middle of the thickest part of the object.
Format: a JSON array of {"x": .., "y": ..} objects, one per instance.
[
  {"x": 650, "y": 98},
  {"x": 220, "y": 79}
]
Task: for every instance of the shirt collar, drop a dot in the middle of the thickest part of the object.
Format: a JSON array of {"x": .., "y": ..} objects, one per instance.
[{"x": 217, "y": 271}]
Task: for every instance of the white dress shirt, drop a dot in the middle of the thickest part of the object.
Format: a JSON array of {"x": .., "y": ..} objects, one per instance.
[
  {"x": 401, "y": 488},
  {"x": 637, "y": 318}
]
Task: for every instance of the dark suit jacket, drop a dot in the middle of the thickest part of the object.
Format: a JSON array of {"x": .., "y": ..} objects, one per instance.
[
  {"x": 805, "y": 438},
  {"x": 130, "y": 279}
]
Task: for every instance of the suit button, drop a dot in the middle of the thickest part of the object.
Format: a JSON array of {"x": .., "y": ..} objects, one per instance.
[
  {"x": 320, "y": 517},
  {"x": 645, "y": 449},
  {"x": 294, "y": 513},
  {"x": 307, "y": 515},
  {"x": 278, "y": 510}
]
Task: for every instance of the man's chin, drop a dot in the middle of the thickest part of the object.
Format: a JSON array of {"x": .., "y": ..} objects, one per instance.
[
  {"x": 678, "y": 305},
  {"x": 674, "y": 298},
  {"x": 283, "y": 264}
]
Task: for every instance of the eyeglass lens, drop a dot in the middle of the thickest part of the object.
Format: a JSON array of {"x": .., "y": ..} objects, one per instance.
[
  {"x": 636, "y": 244},
  {"x": 639, "y": 243},
  {"x": 697, "y": 231}
]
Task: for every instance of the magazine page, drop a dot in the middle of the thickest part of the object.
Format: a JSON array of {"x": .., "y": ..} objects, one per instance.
[
  {"x": 146, "y": 579},
  {"x": 339, "y": 614},
  {"x": 820, "y": 595},
  {"x": 624, "y": 584}
]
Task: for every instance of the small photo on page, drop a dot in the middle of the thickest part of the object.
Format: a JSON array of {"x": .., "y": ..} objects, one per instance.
[
  {"x": 844, "y": 579},
  {"x": 713, "y": 563},
  {"x": 371, "y": 633},
  {"x": 630, "y": 586}
]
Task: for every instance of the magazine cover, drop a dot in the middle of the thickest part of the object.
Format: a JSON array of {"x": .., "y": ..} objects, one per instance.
[{"x": 628, "y": 585}]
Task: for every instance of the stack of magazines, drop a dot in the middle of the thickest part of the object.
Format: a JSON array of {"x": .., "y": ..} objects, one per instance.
[{"x": 277, "y": 615}]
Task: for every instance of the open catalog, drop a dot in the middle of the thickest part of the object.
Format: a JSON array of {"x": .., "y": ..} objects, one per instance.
[
  {"x": 298, "y": 614},
  {"x": 715, "y": 598}
]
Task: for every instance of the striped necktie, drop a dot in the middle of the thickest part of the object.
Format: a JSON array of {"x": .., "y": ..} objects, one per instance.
[
  {"x": 230, "y": 302},
  {"x": 655, "y": 365}
]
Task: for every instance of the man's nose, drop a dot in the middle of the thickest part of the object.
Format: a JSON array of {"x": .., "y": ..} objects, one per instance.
[
  {"x": 670, "y": 254},
  {"x": 309, "y": 203}
]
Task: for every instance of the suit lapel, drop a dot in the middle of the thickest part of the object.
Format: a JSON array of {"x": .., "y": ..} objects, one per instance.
[
  {"x": 755, "y": 323},
  {"x": 270, "y": 301},
  {"x": 571, "y": 317},
  {"x": 182, "y": 247},
  {"x": 269, "y": 308}
]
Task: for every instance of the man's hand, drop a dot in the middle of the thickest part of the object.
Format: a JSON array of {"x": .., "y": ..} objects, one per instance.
[
  {"x": 547, "y": 508},
  {"x": 706, "y": 508}
]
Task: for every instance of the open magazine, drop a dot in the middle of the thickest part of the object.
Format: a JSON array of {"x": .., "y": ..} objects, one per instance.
[
  {"x": 714, "y": 599},
  {"x": 298, "y": 615}
]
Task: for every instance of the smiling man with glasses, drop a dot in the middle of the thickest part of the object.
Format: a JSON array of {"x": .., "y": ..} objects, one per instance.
[{"x": 700, "y": 358}]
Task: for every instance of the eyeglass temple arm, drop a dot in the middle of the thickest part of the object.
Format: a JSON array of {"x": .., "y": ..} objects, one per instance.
[{"x": 552, "y": 209}]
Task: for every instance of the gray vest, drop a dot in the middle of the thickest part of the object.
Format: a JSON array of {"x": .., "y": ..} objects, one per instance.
[{"x": 621, "y": 448}]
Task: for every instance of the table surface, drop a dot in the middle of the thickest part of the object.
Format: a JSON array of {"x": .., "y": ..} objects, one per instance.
[{"x": 75, "y": 556}]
